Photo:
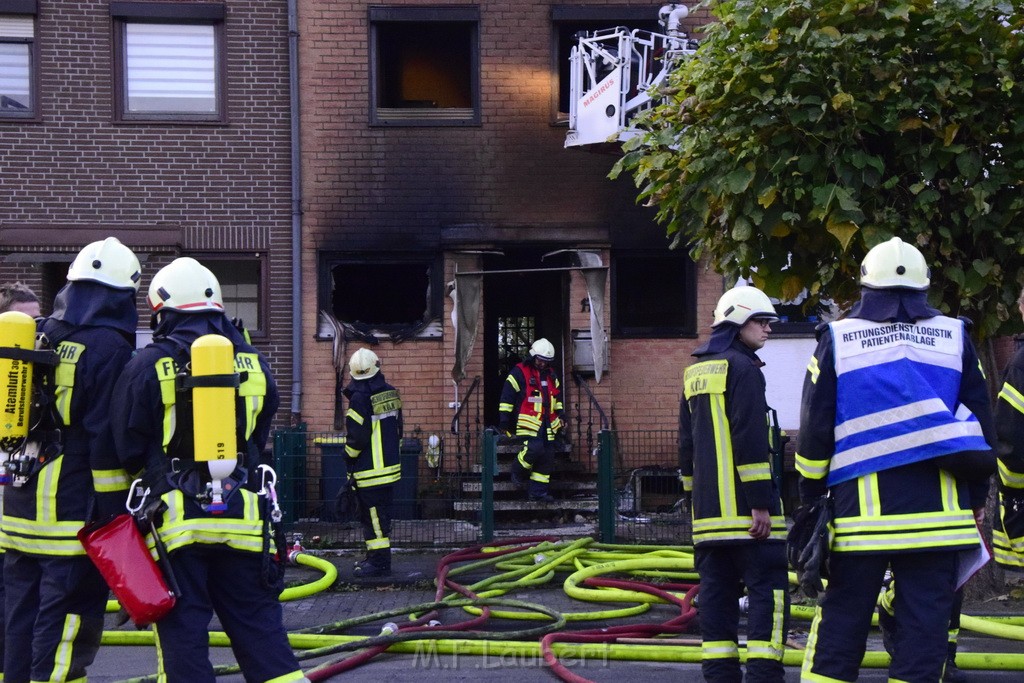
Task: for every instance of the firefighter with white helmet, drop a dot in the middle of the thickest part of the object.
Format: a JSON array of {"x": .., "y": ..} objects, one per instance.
[
  {"x": 373, "y": 435},
  {"x": 739, "y": 530},
  {"x": 214, "y": 522},
  {"x": 67, "y": 472},
  {"x": 530, "y": 409},
  {"x": 896, "y": 426}
]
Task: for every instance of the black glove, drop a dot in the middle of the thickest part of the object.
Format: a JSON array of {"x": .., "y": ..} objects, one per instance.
[
  {"x": 808, "y": 543},
  {"x": 346, "y": 503}
]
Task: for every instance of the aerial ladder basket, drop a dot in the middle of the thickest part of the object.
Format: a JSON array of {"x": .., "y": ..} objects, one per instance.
[{"x": 612, "y": 72}]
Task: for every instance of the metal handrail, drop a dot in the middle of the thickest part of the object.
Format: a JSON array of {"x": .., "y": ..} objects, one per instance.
[
  {"x": 463, "y": 404},
  {"x": 578, "y": 378}
]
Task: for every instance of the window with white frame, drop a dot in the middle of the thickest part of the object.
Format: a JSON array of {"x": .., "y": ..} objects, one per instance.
[
  {"x": 17, "y": 65},
  {"x": 170, "y": 61},
  {"x": 241, "y": 281}
]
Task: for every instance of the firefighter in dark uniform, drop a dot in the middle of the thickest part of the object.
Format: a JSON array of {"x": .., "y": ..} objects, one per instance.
[
  {"x": 218, "y": 548},
  {"x": 531, "y": 398},
  {"x": 1008, "y": 527},
  {"x": 739, "y": 531},
  {"x": 55, "y": 597},
  {"x": 372, "y": 442},
  {"x": 894, "y": 404}
]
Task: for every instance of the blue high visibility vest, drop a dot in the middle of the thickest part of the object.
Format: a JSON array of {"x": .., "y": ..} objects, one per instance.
[{"x": 897, "y": 388}]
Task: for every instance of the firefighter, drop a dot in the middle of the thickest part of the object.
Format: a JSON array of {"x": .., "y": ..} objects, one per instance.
[
  {"x": 531, "y": 401},
  {"x": 14, "y": 296},
  {"x": 1008, "y": 527},
  {"x": 739, "y": 531},
  {"x": 372, "y": 442},
  {"x": 55, "y": 598},
  {"x": 894, "y": 401},
  {"x": 218, "y": 547}
]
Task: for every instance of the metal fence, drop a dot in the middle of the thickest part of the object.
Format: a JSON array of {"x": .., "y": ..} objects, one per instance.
[{"x": 620, "y": 487}]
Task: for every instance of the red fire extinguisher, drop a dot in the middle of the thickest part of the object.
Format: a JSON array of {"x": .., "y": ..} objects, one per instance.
[{"x": 118, "y": 550}]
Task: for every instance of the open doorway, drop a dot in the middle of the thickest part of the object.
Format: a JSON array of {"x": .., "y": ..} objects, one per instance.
[{"x": 519, "y": 308}]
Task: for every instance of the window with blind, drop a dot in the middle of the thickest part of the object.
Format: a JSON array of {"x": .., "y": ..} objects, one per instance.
[
  {"x": 17, "y": 66},
  {"x": 170, "y": 61}
]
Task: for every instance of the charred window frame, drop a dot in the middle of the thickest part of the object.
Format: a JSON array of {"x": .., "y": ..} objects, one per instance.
[
  {"x": 424, "y": 66},
  {"x": 567, "y": 21},
  {"x": 397, "y": 296},
  {"x": 19, "y": 60},
  {"x": 169, "y": 62},
  {"x": 242, "y": 279},
  {"x": 654, "y": 294}
]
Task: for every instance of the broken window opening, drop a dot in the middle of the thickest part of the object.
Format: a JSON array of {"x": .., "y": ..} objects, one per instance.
[{"x": 394, "y": 300}]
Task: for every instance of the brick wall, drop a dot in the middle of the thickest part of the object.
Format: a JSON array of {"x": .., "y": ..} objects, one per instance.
[{"x": 76, "y": 175}]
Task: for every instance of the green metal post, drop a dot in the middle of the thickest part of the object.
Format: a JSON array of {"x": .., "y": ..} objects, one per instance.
[
  {"x": 490, "y": 465},
  {"x": 606, "y": 486}
]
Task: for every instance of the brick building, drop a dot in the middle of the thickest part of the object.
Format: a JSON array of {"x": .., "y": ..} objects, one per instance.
[{"x": 165, "y": 124}]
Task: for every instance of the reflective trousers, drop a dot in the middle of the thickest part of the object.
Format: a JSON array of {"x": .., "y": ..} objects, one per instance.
[
  {"x": 922, "y": 607},
  {"x": 54, "y": 616},
  {"x": 724, "y": 571},
  {"x": 535, "y": 461},
  {"x": 215, "y": 578}
]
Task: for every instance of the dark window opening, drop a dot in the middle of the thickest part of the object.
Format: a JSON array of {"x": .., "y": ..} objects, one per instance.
[
  {"x": 654, "y": 295},
  {"x": 389, "y": 297},
  {"x": 425, "y": 66}
]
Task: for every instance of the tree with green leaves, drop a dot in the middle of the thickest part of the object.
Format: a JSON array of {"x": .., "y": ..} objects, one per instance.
[{"x": 804, "y": 132}]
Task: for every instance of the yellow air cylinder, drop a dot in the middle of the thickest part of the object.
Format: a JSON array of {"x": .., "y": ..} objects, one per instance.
[
  {"x": 18, "y": 331},
  {"x": 213, "y": 408}
]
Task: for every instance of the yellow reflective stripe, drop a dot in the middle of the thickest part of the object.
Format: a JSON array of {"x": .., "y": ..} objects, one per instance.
[
  {"x": 1013, "y": 397},
  {"x": 1010, "y": 479},
  {"x": 515, "y": 385},
  {"x": 723, "y": 449},
  {"x": 763, "y": 649},
  {"x": 64, "y": 377},
  {"x": 719, "y": 649},
  {"x": 241, "y": 534},
  {"x": 111, "y": 481},
  {"x": 687, "y": 481},
  {"x": 867, "y": 492},
  {"x": 36, "y": 546},
  {"x": 779, "y": 611},
  {"x": 46, "y": 491},
  {"x": 377, "y": 447},
  {"x": 352, "y": 452},
  {"x": 521, "y": 457},
  {"x": 296, "y": 675},
  {"x": 810, "y": 652},
  {"x": 65, "y": 648},
  {"x": 708, "y": 377},
  {"x": 813, "y": 370},
  {"x": 253, "y": 389},
  {"x": 505, "y": 407},
  {"x": 355, "y": 416},
  {"x": 540, "y": 478},
  {"x": 948, "y": 492},
  {"x": 811, "y": 469},
  {"x": 165, "y": 373},
  {"x": 47, "y": 529},
  {"x": 734, "y": 528},
  {"x": 758, "y": 471}
]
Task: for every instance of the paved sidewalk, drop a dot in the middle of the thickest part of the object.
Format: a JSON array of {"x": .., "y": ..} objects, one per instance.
[{"x": 410, "y": 584}]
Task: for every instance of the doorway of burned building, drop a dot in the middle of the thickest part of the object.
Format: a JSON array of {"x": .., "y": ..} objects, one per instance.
[{"x": 526, "y": 303}]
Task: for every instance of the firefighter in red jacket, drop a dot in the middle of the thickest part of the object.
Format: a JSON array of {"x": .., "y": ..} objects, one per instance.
[{"x": 531, "y": 399}]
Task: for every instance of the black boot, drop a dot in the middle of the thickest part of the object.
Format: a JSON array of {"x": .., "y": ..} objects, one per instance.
[{"x": 377, "y": 563}]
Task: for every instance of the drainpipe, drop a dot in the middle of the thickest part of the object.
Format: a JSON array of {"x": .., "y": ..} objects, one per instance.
[{"x": 296, "y": 168}]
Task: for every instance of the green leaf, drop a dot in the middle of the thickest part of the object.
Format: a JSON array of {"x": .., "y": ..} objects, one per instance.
[{"x": 739, "y": 180}]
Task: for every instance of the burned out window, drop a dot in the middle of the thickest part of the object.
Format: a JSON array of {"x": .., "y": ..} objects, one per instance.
[
  {"x": 567, "y": 22},
  {"x": 424, "y": 66},
  {"x": 394, "y": 299},
  {"x": 654, "y": 294}
]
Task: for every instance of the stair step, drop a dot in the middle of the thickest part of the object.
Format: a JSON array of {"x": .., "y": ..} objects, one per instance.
[
  {"x": 556, "y": 485},
  {"x": 589, "y": 504},
  {"x": 561, "y": 465}
]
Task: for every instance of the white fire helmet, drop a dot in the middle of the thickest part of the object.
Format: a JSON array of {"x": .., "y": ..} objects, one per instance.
[
  {"x": 363, "y": 364},
  {"x": 543, "y": 349},
  {"x": 895, "y": 264},
  {"x": 740, "y": 304},
  {"x": 107, "y": 262},
  {"x": 185, "y": 285}
]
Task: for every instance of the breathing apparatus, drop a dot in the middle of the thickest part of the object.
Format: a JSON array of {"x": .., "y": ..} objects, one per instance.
[{"x": 19, "y": 356}]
